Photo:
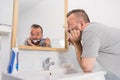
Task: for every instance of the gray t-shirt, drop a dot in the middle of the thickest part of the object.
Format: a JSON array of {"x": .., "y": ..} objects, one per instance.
[{"x": 103, "y": 43}]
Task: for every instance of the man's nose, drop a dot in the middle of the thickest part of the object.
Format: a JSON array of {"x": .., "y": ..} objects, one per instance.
[
  {"x": 34, "y": 37},
  {"x": 68, "y": 29}
]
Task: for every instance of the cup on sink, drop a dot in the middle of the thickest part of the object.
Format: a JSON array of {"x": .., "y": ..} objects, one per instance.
[
  {"x": 67, "y": 65},
  {"x": 69, "y": 68}
]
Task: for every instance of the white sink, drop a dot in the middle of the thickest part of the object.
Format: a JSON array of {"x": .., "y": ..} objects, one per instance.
[
  {"x": 54, "y": 74},
  {"x": 40, "y": 75}
]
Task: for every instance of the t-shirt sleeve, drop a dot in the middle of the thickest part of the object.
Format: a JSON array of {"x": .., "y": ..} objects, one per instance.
[{"x": 90, "y": 44}]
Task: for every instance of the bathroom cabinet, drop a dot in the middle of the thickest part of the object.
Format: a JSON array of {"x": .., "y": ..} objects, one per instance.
[{"x": 5, "y": 42}]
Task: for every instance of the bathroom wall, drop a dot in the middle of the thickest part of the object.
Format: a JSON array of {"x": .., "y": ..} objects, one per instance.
[
  {"x": 104, "y": 11},
  {"x": 6, "y": 8}
]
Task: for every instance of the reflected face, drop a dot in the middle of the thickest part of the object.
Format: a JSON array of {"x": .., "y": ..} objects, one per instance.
[
  {"x": 36, "y": 34},
  {"x": 72, "y": 22}
]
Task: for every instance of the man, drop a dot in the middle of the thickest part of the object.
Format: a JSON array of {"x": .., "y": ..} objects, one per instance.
[
  {"x": 94, "y": 41},
  {"x": 36, "y": 37}
]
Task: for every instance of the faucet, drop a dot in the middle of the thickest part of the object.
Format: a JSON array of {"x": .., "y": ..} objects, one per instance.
[{"x": 46, "y": 64}]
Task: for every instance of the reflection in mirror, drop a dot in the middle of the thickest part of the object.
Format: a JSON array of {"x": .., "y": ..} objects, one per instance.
[
  {"x": 36, "y": 37},
  {"x": 50, "y": 14}
]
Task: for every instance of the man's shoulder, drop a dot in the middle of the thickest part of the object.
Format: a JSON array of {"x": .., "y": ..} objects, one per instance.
[{"x": 95, "y": 26}]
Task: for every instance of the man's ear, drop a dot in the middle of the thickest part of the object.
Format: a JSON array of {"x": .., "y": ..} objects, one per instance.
[
  {"x": 79, "y": 25},
  {"x": 81, "y": 22},
  {"x": 42, "y": 36}
]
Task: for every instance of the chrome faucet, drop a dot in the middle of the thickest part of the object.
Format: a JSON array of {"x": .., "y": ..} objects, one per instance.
[{"x": 46, "y": 64}]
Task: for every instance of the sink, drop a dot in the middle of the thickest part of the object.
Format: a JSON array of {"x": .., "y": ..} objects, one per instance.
[{"x": 54, "y": 74}]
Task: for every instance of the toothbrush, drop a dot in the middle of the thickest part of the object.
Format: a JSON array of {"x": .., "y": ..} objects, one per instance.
[
  {"x": 17, "y": 61},
  {"x": 10, "y": 67},
  {"x": 17, "y": 57}
]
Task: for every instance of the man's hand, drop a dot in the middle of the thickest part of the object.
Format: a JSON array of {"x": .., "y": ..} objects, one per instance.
[
  {"x": 47, "y": 42},
  {"x": 74, "y": 36},
  {"x": 29, "y": 42}
]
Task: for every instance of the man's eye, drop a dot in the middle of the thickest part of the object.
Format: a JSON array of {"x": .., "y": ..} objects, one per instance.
[
  {"x": 37, "y": 34},
  {"x": 32, "y": 34}
]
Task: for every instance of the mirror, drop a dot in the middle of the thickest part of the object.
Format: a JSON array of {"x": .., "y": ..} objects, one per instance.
[{"x": 49, "y": 14}]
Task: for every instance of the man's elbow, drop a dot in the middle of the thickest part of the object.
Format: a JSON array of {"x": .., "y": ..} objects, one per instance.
[
  {"x": 87, "y": 64},
  {"x": 87, "y": 69}
]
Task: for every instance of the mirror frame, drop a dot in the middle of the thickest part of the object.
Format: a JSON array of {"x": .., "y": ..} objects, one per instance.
[{"x": 23, "y": 47}]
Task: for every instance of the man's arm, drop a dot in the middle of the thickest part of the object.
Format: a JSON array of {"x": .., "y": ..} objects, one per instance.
[{"x": 86, "y": 64}]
